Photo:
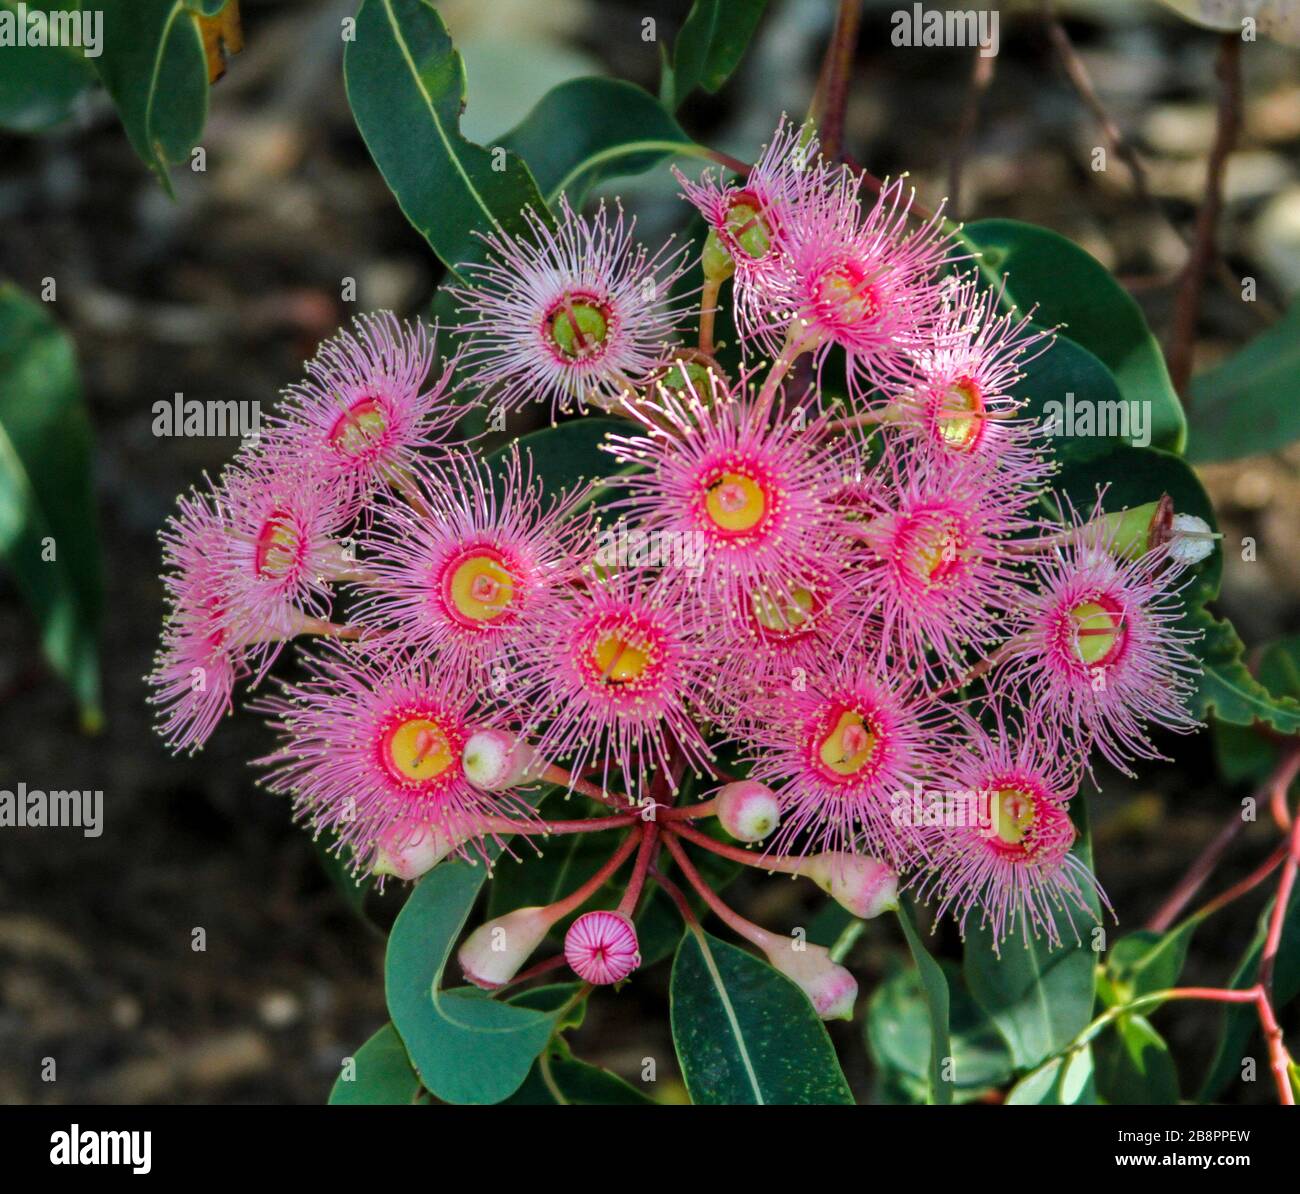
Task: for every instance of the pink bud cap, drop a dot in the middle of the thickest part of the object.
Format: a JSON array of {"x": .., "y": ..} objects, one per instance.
[
  {"x": 865, "y": 886},
  {"x": 496, "y": 759},
  {"x": 832, "y": 989},
  {"x": 407, "y": 852},
  {"x": 493, "y": 953},
  {"x": 748, "y": 810},
  {"x": 602, "y": 948}
]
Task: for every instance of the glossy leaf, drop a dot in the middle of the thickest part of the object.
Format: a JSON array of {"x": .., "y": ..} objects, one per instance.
[
  {"x": 1134, "y": 1065},
  {"x": 39, "y": 85},
  {"x": 745, "y": 1033},
  {"x": 710, "y": 45},
  {"x": 1144, "y": 961},
  {"x": 1246, "y": 404},
  {"x": 1069, "y": 287},
  {"x": 155, "y": 68},
  {"x": 1039, "y": 997},
  {"x": 567, "y": 1082},
  {"x": 935, "y": 986},
  {"x": 611, "y": 128},
  {"x": 406, "y": 84},
  {"x": 48, "y": 536},
  {"x": 1228, "y": 690},
  {"x": 467, "y": 1047},
  {"x": 568, "y": 456},
  {"x": 382, "y": 1075},
  {"x": 1055, "y": 383},
  {"x": 1062, "y": 1081}
]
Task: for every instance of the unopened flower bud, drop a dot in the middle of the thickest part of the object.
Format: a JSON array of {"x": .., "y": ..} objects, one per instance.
[
  {"x": 716, "y": 261},
  {"x": 494, "y": 952},
  {"x": 832, "y": 989},
  {"x": 1135, "y": 531},
  {"x": 408, "y": 851},
  {"x": 602, "y": 948},
  {"x": 865, "y": 886},
  {"x": 748, "y": 810},
  {"x": 497, "y": 759}
]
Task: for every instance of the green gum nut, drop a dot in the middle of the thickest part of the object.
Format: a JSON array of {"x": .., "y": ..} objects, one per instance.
[
  {"x": 1135, "y": 531},
  {"x": 717, "y": 262}
]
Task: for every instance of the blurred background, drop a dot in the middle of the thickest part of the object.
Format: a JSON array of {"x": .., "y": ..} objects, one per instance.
[{"x": 223, "y": 293}]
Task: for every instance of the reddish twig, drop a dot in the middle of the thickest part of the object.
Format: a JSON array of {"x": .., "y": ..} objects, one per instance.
[
  {"x": 832, "y": 96},
  {"x": 980, "y": 77}
]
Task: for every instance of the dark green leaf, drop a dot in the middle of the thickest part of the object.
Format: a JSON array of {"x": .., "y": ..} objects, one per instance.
[
  {"x": 154, "y": 67},
  {"x": 710, "y": 45},
  {"x": 1247, "y": 404},
  {"x": 567, "y": 456},
  {"x": 1227, "y": 689},
  {"x": 46, "y": 492},
  {"x": 935, "y": 986},
  {"x": 610, "y": 128},
  {"x": 1039, "y": 997},
  {"x": 1056, "y": 383},
  {"x": 565, "y": 1081},
  {"x": 406, "y": 84},
  {"x": 383, "y": 1075},
  {"x": 1071, "y": 288},
  {"x": 745, "y": 1033},
  {"x": 1134, "y": 1065},
  {"x": 40, "y": 84},
  {"x": 1146, "y": 961},
  {"x": 467, "y": 1047}
]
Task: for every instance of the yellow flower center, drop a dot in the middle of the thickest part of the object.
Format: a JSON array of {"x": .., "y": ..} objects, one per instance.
[
  {"x": 479, "y": 587},
  {"x": 1013, "y": 815},
  {"x": 618, "y": 658},
  {"x": 359, "y": 427},
  {"x": 933, "y": 547},
  {"x": 784, "y": 611},
  {"x": 849, "y": 746},
  {"x": 1098, "y": 632},
  {"x": 418, "y": 750},
  {"x": 958, "y": 417},
  {"x": 735, "y": 502},
  {"x": 277, "y": 547}
]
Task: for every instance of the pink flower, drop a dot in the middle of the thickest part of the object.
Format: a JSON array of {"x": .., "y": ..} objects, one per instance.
[
  {"x": 367, "y": 407},
  {"x": 578, "y": 313},
  {"x": 1100, "y": 648},
  {"x": 750, "y": 218},
  {"x": 744, "y": 486},
  {"x": 932, "y": 567},
  {"x": 466, "y": 571},
  {"x": 1000, "y": 835},
  {"x": 616, "y": 674},
  {"x": 278, "y": 554},
  {"x": 842, "y": 748},
  {"x": 861, "y": 282},
  {"x": 601, "y": 947},
  {"x": 371, "y": 750},
  {"x": 959, "y": 402},
  {"x": 199, "y": 662}
]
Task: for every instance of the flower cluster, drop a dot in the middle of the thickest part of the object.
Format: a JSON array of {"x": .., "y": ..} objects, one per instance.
[{"x": 853, "y": 599}]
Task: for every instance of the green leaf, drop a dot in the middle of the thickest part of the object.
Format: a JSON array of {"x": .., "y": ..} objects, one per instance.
[
  {"x": 467, "y": 1047},
  {"x": 46, "y": 492},
  {"x": 1061, "y": 1081},
  {"x": 710, "y": 45},
  {"x": 611, "y": 128},
  {"x": 1134, "y": 1065},
  {"x": 1068, "y": 286},
  {"x": 1241, "y": 1021},
  {"x": 1066, "y": 369},
  {"x": 1227, "y": 689},
  {"x": 1247, "y": 404},
  {"x": 935, "y": 986},
  {"x": 1039, "y": 997},
  {"x": 40, "y": 84},
  {"x": 558, "y": 1080},
  {"x": 899, "y": 1035},
  {"x": 1244, "y": 754},
  {"x": 568, "y": 456},
  {"x": 383, "y": 1075},
  {"x": 745, "y": 1033},
  {"x": 154, "y": 67},
  {"x": 1135, "y": 476},
  {"x": 406, "y": 84}
]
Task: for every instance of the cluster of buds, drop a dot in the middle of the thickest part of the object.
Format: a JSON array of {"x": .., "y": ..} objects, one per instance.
[{"x": 854, "y": 596}]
